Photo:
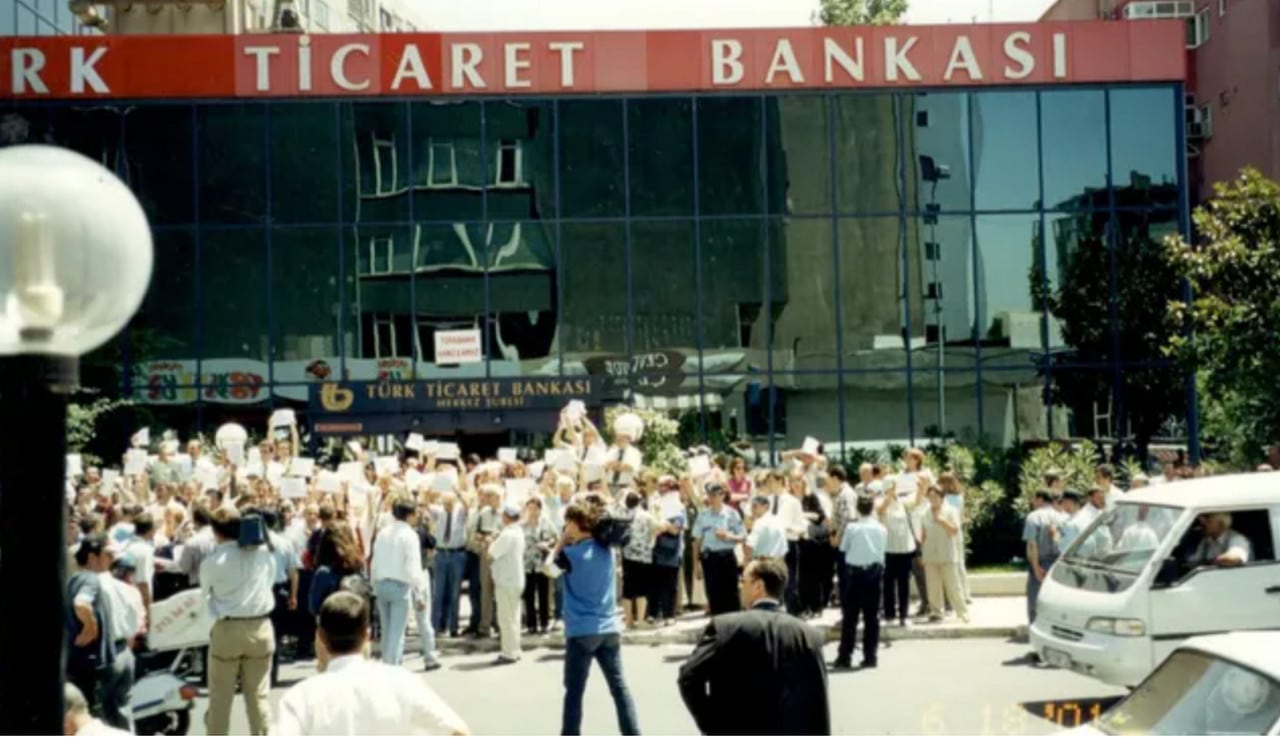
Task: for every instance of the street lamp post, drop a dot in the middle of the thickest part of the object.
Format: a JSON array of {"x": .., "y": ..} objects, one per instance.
[{"x": 75, "y": 261}]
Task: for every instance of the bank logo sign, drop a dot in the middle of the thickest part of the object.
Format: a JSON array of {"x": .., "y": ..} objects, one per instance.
[{"x": 379, "y": 397}]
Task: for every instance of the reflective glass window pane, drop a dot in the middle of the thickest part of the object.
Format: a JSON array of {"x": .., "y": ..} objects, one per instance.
[
  {"x": 519, "y": 158},
  {"x": 729, "y": 155},
  {"x": 233, "y": 293},
  {"x": 803, "y": 291},
  {"x": 8, "y": 20},
  {"x": 867, "y": 152},
  {"x": 233, "y": 163},
  {"x": 27, "y": 24},
  {"x": 160, "y": 162},
  {"x": 1013, "y": 405},
  {"x": 378, "y": 178},
  {"x": 811, "y": 409},
  {"x": 1144, "y": 155},
  {"x": 940, "y": 261},
  {"x": 799, "y": 161},
  {"x": 593, "y": 269},
  {"x": 872, "y": 319},
  {"x": 450, "y": 170},
  {"x": 380, "y": 261},
  {"x": 938, "y": 136},
  {"x": 592, "y": 158},
  {"x": 945, "y": 400},
  {"x": 664, "y": 293},
  {"x": 94, "y": 132},
  {"x": 306, "y": 156},
  {"x": 1078, "y": 262},
  {"x": 304, "y": 298},
  {"x": 733, "y": 314},
  {"x": 165, "y": 326},
  {"x": 661, "y": 156},
  {"x": 1009, "y": 280},
  {"x": 1145, "y": 282},
  {"x": 875, "y": 411},
  {"x": 1073, "y": 140},
  {"x": 1006, "y": 160},
  {"x": 522, "y": 299},
  {"x": 1086, "y": 404},
  {"x": 1155, "y": 404}
]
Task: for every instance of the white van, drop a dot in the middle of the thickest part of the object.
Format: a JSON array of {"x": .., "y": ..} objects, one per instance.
[{"x": 1125, "y": 594}]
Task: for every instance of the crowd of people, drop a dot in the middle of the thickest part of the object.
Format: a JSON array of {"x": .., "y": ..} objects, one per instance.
[{"x": 560, "y": 542}]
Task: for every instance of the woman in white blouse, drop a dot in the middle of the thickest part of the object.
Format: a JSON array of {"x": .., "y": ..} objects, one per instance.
[
  {"x": 939, "y": 529},
  {"x": 900, "y": 553}
]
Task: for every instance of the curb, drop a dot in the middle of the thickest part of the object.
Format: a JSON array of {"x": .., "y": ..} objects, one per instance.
[{"x": 690, "y": 636}]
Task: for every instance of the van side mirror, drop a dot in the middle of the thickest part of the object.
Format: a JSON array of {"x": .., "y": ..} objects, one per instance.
[{"x": 1170, "y": 573}]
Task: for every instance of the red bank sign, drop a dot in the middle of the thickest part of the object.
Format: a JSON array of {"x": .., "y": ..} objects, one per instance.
[{"x": 585, "y": 62}]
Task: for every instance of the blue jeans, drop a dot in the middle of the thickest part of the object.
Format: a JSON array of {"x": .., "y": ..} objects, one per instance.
[
  {"x": 450, "y": 567},
  {"x": 393, "y": 612},
  {"x": 473, "y": 589},
  {"x": 426, "y": 634},
  {"x": 558, "y": 596},
  {"x": 607, "y": 651}
]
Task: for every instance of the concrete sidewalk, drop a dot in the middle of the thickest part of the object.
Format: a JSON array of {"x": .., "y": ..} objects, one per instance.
[{"x": 991, "y": 616}]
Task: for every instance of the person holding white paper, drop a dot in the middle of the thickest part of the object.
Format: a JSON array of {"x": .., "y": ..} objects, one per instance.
[{"x": 622, "y": 462}]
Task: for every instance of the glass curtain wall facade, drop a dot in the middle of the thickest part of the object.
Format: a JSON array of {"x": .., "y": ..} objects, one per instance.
[{"x": 857, "y": 267}]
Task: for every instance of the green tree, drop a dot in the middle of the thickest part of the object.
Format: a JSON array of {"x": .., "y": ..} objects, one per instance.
[
  {"x": 82, "y": 425},
  {"x": 1234, "y": 313},
  {"x": 861, "y": 12}
]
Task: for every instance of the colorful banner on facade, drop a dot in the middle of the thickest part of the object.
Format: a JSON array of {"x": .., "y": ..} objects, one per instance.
[
  {"x": 402, "y": 64},
  {"x": 410, "y": 397}
]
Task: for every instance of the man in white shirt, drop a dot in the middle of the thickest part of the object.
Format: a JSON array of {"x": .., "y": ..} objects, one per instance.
[
  {"x": 506, "y": 555},
  {"x": 142, "y": 549},
  {"x": 768, "y": 536},
  {"x": 78, "y": 721},
  {"x": 198, "y": 547},
  {"x": 397, "y": 574},
  {"x": 354, "y": 695},
  {"x": 622, "y": 462},
  {"x": 236, "y": 581},
  {"x": 1105, "y": 476},
  {"x": 1221, "y": 545}
]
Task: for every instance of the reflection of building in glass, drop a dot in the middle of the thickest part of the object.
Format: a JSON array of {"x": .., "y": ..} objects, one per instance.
[{"x": 791, "y": 265}]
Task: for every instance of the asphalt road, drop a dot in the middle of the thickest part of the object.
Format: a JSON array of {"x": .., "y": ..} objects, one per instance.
[{"x": 973, "y": 687}]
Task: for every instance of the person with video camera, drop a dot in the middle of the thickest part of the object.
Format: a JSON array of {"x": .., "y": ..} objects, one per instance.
[
  {"x": 237, "y": 580},
  {"x": 591, "y": 622}
]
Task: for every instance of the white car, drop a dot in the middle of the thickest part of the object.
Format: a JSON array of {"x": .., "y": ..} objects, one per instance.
[{"x": 1217, "y": 684}]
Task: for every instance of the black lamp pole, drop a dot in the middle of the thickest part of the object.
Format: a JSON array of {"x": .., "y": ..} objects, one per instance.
[{"x": 33, "y": 547}]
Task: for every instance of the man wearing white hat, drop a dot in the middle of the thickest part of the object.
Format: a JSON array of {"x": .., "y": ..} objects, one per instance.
[{"x": 506, "y": 555}]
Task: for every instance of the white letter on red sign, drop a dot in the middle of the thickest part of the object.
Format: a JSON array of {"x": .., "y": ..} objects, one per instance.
[
  {"x": 1060, "y": 56},
  {"x": 514, "y": 63},
  {"x": 784, "y": 60},
  {"x": 304, "y": 64},
  {"x": 726, "y": 67},
  {"x": 895, "y": 60},
  {"x": 263, "y": 54},
  {"x": 338, "y": 67},
  {"x": 566, "y": 49},
  {"x": 411, "y": 66},
  {"x": 852, "y": 66},
  {"x": 82, "y": 71},
  {"x": 1015, "y": 47},
  {"x": 962, "y": 58},
  {"x": 466, "y": 57},
  {"x": 25, "y": 70}
]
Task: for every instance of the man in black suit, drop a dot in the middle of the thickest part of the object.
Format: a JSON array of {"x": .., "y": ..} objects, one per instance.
[{"x": 760, "y": 671}]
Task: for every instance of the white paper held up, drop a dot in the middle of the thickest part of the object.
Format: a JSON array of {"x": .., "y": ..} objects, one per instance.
[{"x": 293, "y": 488}]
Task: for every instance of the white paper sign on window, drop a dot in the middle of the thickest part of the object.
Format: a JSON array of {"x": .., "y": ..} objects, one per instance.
[{"x": 458, "y": 346}]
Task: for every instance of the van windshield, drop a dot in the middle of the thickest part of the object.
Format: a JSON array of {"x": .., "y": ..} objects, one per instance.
[{"x": 1116, "y": 547}]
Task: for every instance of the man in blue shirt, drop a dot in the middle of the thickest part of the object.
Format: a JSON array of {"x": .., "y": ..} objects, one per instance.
[
  {"x": 716, "y": 532},
  {"x": 863, "y": 547},
  {"x": 592, "y": 627}
]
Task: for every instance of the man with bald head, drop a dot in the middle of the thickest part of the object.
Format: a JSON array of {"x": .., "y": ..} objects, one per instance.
[{"x": 449, "y": 520}]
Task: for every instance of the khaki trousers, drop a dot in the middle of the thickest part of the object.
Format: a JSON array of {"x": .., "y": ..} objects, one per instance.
[
  {"x": 943, "y": 579},
  {"x": 240, "y": 650},
  {"x": 510, "y": 602}
]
